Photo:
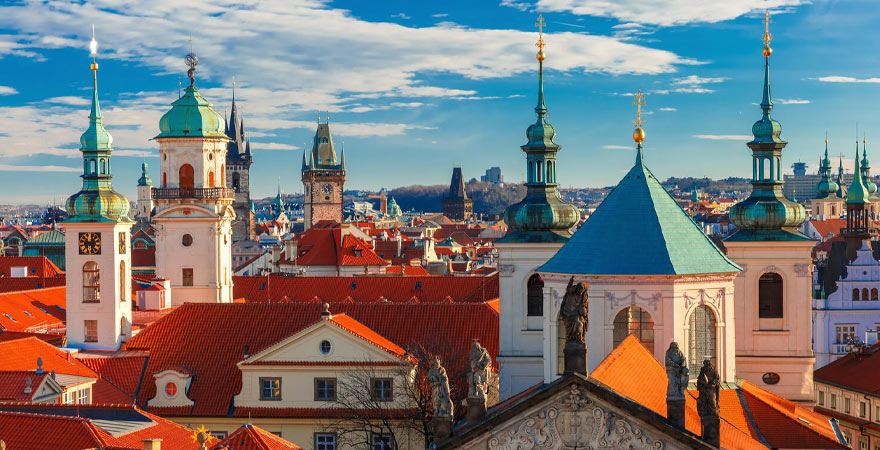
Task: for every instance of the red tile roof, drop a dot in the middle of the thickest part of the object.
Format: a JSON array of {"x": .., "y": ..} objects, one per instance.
[
  {"x": 774, "y": 417},
  {"x": 396, "y": 289},
  {"x": 30, "y": 283},
  {"x": 443, "y": 328},
  {"x": 326, "y": 246},
  {"x": 54, "y": 339},
  {"x": 249, "y": 437},
  {"x": 832, "y": 226},
  {"x": 38, "y": 266},
  {"x": 406, "y": 270},
  {"x": 36, "y": 310},
  {"x": 22, "y": 354},
  {"x": 364, "y": 332},
  {"x": 14, "y": 382},
  {"x": 143, "y": 257},
  {"x": 53, "y": 427},
  {"x": 123, "y": 371},
  {"x": 857, "y": 372}
]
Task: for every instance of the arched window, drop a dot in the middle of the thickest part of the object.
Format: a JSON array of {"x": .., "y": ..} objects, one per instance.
[
  {"x": 865, "y": 294},
  {"x": 93, "y": 167},
  {"x": 702, "y": 339},
  {"x": 770, "y": 296},
  {"x": 211, "y": 179},
  {"x": 535, "y": 296},
  {"x": 91, "y": 282},
  {"x": 164, "y": 179},
  {"x": 549, "y": 177},
  {"x": 236, "y": 181},
  {"x": 855, "y": 295},
  {"x": 103, "y": 167},
  {"x": 139, "y": 245},
  {"x": 123, "y": 326},
  {"x": 123, "y": 282},
  {"x": 540, "y": 171},
  {"x": 636, "y": 321},
  {"x": 187, "y": 177},
  {"x": 873, "y": 293}
]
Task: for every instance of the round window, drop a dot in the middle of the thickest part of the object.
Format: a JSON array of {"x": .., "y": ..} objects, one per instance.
[
  {"x": 170, "y": 389},
  {"x": 210, "y": 156},
  {"x": 326, "y": 347},
  {"x": 770, "y": 378},
  {"x": 187, "y": 240}
]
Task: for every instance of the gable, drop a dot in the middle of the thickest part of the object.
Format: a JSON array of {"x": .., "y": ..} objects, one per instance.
[{"x": 305, "y": 346}]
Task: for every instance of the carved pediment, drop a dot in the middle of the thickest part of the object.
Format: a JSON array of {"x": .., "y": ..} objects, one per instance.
[{"x": 574, "y": 420}]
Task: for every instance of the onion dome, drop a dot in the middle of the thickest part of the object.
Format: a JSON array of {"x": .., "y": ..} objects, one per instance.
[
  {"x": 542, "y": 216},
  {"x": 767, "y": 215},
  {"x": 144, "y": 180},
  {"x": 192, "y": 115},
  {"x": 826, "y": 187},
  {"x": 97, "y": 201}
]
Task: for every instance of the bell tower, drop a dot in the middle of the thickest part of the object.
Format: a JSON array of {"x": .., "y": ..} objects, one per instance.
[
  {"x": 97, "y": 234},
  {"x": 774, "y": 290},
  {"x": 194, "y": 211},
  {"x": 323, "y": 177}
]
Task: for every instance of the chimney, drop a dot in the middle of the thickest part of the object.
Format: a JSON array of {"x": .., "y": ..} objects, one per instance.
[
  {"x": 152, "y": 444},
  {"x": 676, "y": 382}
]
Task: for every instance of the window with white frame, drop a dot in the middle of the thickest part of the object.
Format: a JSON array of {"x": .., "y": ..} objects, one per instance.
[
  {"x": 325, "y": 441},
  {"x": 846, "y": 402},
  {"x": 833, "y": 398},
  {"x": 219, "y": 434},
  {"x": 381, "y": 441},
  {"x": 84, "y": 396},
  {"x": 382, "y": 389},
  {"x": 821, "y": 398},
  {"x": 845, "y": 333},
  {"x": 863, "y": 409}
]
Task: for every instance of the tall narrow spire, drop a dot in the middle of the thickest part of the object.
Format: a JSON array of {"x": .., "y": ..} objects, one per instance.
[
  {"x": 857, "y": 192},
  {"x": 541, "y": 108},
  {"x": 639, "y": 133},
  {"x": 766, "y": 101},
  {"x": 826, "y": 186}
]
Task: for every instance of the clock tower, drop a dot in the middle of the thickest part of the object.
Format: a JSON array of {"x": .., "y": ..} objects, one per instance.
[
  {"x": 323, "y": 177},
  {"x": 97, "y": 233}
]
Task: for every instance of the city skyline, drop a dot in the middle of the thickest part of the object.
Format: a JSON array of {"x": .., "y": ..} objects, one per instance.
[{"x": 446, "y": 88}]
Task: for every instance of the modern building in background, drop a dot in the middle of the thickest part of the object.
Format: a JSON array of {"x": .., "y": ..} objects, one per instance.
[{"x": 493, "y": 175}]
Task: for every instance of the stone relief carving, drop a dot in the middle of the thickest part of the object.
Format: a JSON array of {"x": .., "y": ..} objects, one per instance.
[
  {"x": 703, "y": 298},
  {"x": 506, "y": 270},
  {"x": 803, "y": 270},
  {"x": 574, "y": 421},
  {"x": 633, "y": 299}
]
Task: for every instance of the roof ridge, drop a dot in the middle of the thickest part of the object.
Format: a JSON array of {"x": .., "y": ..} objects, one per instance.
[{"x": 801, "y": 422}]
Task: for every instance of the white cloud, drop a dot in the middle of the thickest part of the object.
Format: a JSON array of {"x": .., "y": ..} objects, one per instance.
[
  {"x": 70, "y": 100},
  {"x": 725, "y": 137},
  {"x": 694, "y": 80},
  {"x": 791, "y": 101},
  {"x": 25, "y": 168},
  {"x": 273, "y": 146},
  {"x": 401, "y": 16},
  {"x": 841, "y": 79},
  {"x": 439, "y": 15},
  {"x": 7, "y": 90},
  {"x": 617, "y": 147},
  {"x": 667, "y": 109},
  {"x": 663, "y": 13}
]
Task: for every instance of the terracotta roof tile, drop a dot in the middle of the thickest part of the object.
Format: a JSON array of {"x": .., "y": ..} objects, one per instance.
[
  {"x": 249, "y": 437},
  {"x": 444, "y": 328},
  {"x": 36, "y": 310},
  {"x": 362, "y": 331},
  {"x": 853, "y": 371},
  {"x": 123, "y": 371},
  {"x": 828, "y": 226},
  {"x": 22, "y": 354},
  {"x": 394, "y": 288},
  {"x": 30, "y": 283},
  {"x": 38, "y": 266},
  {"x": 14, "y": 382}
]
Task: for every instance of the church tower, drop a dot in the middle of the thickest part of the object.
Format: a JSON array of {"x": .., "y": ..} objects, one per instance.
[
  {"x": 97, "y": 233},
  {"x": 538, "y": 226},
  {"x": 773, "y": 292},
  {"x": 194, "y": 211},
  {"x": 145, "y": 198},
  {"x": 238, "y": 167},
  {"x": 323, "y": 177}
]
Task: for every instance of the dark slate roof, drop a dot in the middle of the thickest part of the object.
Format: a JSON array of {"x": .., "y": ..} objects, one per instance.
[{"x": 639, "y": 229}]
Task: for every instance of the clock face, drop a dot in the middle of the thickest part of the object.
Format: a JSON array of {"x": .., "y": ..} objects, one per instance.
[
  {"x": 90, "y": 243},
  {"x": 327, "y": 188},
  {"x": 122, "y": 242}
]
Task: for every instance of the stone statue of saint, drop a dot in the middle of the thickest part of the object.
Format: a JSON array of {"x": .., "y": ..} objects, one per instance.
[
  {"x": 708, "y": 385},
  {"x": 676, "y": 372},
  {"x": 575, "y": 305},
  {"x": 479, "y": 377},
  {"x": 440, "y": 390}
]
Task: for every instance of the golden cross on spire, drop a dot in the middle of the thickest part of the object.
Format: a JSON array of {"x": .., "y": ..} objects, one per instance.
[
  {"x": 540, "y": 43},
  {"x": 638, "y": 102},
  {"x": 767, "y": 36}
]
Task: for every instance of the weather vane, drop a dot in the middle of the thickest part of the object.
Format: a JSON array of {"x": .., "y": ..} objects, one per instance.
[
  {"x": 191, "y": 60},
  {"x": 540, "y": 43},
  {"x": 767, "y": 36}
]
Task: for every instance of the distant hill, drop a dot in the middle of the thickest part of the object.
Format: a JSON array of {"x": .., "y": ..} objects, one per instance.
[{"x": 488, "y": 198}]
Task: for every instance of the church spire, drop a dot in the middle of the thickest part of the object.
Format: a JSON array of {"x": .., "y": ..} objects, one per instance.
[
  {"x": 639, "y": 133},
  {"x": 767, "y": 215},
  {"x": 541, "y": 108},
  {"x": 826, "y": 186}
]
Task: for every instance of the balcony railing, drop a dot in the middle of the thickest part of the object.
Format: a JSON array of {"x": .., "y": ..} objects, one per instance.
[{"x": 197, "y": 193}]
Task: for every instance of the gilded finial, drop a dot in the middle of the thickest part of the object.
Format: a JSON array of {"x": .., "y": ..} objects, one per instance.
[
  {"x": 767, "y": 36},
  {"x": 93, "y": 50},
  {"x": 826, "y": 138},
  {"x": 638, "y": 102},
  {"x": 540, "y": 44}
]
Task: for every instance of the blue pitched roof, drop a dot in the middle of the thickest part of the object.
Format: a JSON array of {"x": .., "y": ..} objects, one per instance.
[{"x": 639, "y": 229}]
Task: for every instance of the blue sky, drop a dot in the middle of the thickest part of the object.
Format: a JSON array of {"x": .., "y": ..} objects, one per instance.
[{"x": 414, "y": 88}]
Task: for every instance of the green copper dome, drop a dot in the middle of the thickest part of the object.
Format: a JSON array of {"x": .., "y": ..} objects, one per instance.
[
  {"x": 857, "y": 192},
  {"x": 192, "y": 116},
  {"x": 767, "y": 215},
  {"x": 97, "y": 201},
  {"x": 144, "y": 180},
  {"x": 542, "y": 216},
  {"x": 826, "y": 187}
]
